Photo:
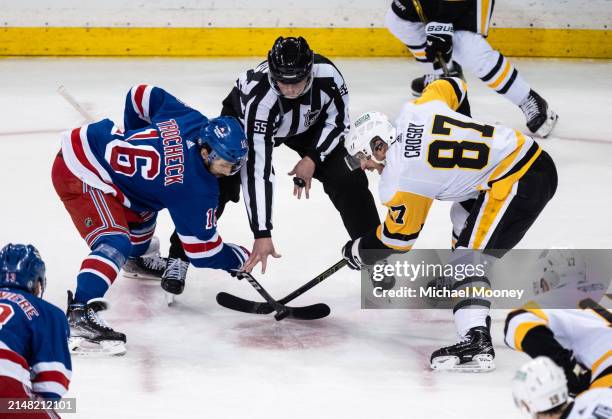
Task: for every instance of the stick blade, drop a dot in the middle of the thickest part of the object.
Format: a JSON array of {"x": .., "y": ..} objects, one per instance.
[
  {"x": 240, "y": 304},
  {"x": 312, "y": 312}
]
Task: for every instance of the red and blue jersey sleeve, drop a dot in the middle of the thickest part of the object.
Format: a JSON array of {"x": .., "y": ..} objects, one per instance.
[
  {"x": 50, "y": 363},
  {"x": 197, "y": 229},
  {"x": 144, "y": 103}
]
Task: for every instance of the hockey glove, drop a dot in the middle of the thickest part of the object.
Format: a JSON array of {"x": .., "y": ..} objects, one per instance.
[
  {"x": 242, "y": 254},
  {"x": 350, "y": 252},
  {"x": 578, "y": 377},
  {"x": 439, "y": 40}
]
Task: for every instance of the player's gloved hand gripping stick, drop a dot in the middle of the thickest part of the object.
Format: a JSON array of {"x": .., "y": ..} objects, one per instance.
[
  {"x": 311, "y": 312},
  {"x": 419, "y": 9}
]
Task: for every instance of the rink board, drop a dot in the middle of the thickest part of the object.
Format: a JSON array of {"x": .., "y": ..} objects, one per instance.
[{"x": 237, "y": 42}]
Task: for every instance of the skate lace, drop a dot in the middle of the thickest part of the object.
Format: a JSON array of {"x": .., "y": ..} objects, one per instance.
[
  {"x": 429, "y": 78},
  {"x": 177, "y": 269},
  {"x": 97, "y": 319},
  {"x": 530, "y": 108},
  {"x": 155, "y": 263}
]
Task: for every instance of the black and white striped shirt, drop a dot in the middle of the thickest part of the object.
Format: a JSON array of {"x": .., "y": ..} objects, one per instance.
[{"x": 269, "y": 119}]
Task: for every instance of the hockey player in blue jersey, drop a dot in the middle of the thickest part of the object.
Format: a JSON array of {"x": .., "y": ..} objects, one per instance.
[
  {"x": 34, "y": 355},
  {"x": 113, "y": 183}
]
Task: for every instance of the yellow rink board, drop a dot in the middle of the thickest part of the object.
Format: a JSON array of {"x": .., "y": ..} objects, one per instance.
[{"x": 235, "y": 42}]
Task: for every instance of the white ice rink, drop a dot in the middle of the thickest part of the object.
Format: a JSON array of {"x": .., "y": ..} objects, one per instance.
[{"x": 197, "y": 359}]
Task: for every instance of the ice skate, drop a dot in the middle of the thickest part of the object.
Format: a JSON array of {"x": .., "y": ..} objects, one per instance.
[
  {"x": 148, "y": 266},
  {"x": 173, "y": 278},
  {"x": 540, "y": 118},
  {"x": 89, "y": 333},
  {"x": 473, "y": 353}
]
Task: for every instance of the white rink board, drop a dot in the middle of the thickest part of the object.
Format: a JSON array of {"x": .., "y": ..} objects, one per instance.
[
  {"x": 574, "y": 14},
  {"x": 200, "y": 360}
]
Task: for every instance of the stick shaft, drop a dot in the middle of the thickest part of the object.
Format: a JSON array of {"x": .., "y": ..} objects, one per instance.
[
  {"x": 74, "y": 103},
  {"x": 310, "y": 284}
]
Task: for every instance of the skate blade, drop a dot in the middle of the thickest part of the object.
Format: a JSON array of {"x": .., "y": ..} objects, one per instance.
[
  {"x": 83, "y": 347},
  {"x": 479, "y": 363},
  {"x": 547, "y": 127},
  {"x": 144, "y": 277},
  {"x": 169, "y": 297}
]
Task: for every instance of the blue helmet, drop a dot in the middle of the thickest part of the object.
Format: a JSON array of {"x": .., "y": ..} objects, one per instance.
[
  {"x": 21, "y": 267},
  {"x": 225, "y": 138}
]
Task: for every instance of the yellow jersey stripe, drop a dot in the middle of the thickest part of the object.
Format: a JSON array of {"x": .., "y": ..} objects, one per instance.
[
  {"x": 489, "y": 214},
  {"x": 602, "y": 382},
  {"x": 503, "y": 75},
  {"x": 600, "y": 361}
]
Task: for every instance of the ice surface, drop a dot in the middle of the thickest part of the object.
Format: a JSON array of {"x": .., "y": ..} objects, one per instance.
[{"x": 197, "y": 359}]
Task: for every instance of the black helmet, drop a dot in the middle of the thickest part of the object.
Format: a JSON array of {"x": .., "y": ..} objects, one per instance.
[{"x": 290, "y": 61}]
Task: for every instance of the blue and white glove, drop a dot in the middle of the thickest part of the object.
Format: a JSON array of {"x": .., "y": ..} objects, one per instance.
[
  {"x": 439, "y": 40},
  {"x": 350, "y": 253},
  {"x": 242, "y": 254}
]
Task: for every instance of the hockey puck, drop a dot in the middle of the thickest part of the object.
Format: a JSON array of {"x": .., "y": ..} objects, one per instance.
[{"x": 299, "y": 182}]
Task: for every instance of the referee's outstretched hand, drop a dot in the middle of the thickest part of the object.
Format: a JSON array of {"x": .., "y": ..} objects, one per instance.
[{"x": 262, "y": 248}]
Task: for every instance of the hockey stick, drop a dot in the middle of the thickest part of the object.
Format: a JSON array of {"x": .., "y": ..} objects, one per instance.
[
  {"x": 63, "y": 92},
  {"x": 315, "y": 311},
  {"x": 419, "y": 9},
  {"x": 247, "y": 306}
]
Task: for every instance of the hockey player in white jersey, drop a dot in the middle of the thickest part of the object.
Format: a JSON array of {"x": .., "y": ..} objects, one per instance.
[
  {"x": 499, "y": 180},
  {"x": 578, "y": 338},
  {"x": 456, "y": 32},
  {"x": 541, "y": 392}
]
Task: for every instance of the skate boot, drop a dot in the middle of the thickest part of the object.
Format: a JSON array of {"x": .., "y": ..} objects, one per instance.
[
  {"x": 173, "y": 279},
  {"x": 420, "y": 83},
  {"x": 473, "y": 353},
  {"x": 148, "y": 266},
  {"x": 540, "y": 118},
  {"x": 89, "y": 333}
]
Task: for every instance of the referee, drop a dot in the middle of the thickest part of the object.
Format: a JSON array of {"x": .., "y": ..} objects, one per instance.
[{"x": 300, "y": 99}]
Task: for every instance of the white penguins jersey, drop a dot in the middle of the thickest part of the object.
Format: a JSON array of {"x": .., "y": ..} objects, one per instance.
[
  {"x": 592, "y": 404},
  {"x": 586, "y": 330},
  {"x": 442, "y": 154}
]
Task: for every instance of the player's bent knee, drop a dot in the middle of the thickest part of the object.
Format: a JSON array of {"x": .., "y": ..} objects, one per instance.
[{"x": 116, "y": 247}]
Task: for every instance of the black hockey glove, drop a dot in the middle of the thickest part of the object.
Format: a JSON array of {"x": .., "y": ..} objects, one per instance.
[
  {"x": 578, "y": 377},
  {"x": 350, "y": 252},
  {"x": 439, "y": 40}
]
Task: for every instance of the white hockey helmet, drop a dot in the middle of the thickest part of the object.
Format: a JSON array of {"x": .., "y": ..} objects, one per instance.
[
  {"x": 538, "y": 386},
  {"x": 367, "y": 127},
  {"x": 558, "y": 268}
]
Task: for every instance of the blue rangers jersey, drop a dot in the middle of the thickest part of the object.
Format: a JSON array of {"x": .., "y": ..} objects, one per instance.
[
  {"x": 34, "y": 343},
  {"x": 156, "y": 164}
]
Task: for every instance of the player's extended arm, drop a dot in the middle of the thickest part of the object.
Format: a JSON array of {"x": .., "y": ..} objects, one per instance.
[
  {"x": 397, "y": 234},
  {"x": 144, "y": 102},
  {"x": 450, "y": 90},
  {"x": 196, "y": 227},
  {"x": 213, "y": 253}
]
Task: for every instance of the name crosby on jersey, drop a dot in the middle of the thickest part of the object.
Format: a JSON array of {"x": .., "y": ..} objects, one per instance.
[
  {"x": 414, "y": 136},
  {"x": 173, "y": 152}
]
